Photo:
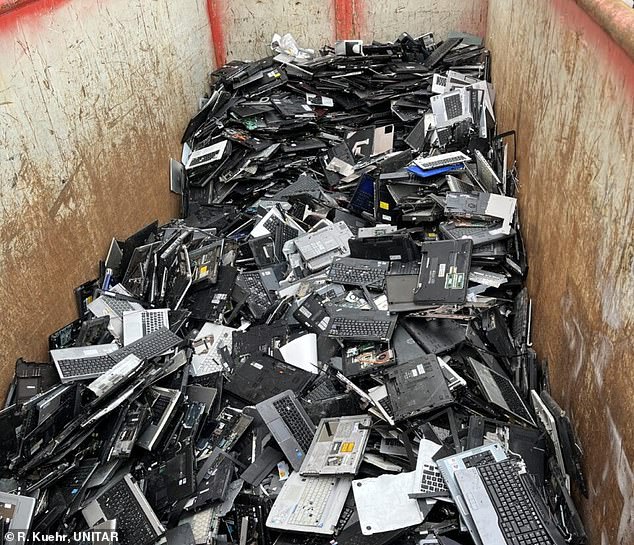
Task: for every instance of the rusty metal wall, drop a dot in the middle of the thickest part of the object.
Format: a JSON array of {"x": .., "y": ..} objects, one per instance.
[
  {"x": 94, "y": 97},
  {"x": 568, "y": 89}
]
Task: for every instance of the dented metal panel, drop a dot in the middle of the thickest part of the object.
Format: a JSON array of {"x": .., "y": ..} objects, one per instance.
[
  {"x": 94, "y": 97},
  {"x": 569, "y": 90}
]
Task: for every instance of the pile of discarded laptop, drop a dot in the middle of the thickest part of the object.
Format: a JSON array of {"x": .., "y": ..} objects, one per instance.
[{"x": 331, "y": 346}]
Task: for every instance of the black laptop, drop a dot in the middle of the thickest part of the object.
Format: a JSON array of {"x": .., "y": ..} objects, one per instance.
[
  {"x": 444, "y": 272},
  {"x": 416, "y": 387},
  {"x": 261, "y": 376}
]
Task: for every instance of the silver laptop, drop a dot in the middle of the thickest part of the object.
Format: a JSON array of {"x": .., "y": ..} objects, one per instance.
[
  {"x": 289, "y": 424},
  {"x": 17, "y": 512},
  {"x": 206, "y": 155},
  {"x": 338, "y": 446},
  {"x": 114, "y": 307},
  {"x": 163, "y": 404},
  {"x": 452, "y": 107},
  {"x": 505, "y": 507},
  {"x": 486, "y": 454},
  {"x": 309, "y": 504},
  {"x": 83, "y": 362},
  {"x": 124, "y": 502},
  {"x": 487, "y": 175},
  {"x": 547, "y": 422},
  {"x": 319, "y": 248},
  {"x": 139, "y": 323},
  {"x": 211, "y": 339}
]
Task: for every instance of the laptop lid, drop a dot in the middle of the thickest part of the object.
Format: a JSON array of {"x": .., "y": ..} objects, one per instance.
[{"x": 500, "y": 391}]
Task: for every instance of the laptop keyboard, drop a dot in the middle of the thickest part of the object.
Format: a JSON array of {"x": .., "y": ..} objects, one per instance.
[
  {"x": 453, "y": 106},
  {"x": 511, "y": 397},
  {"x": 85, "y": 366},
  {"x": 287, "y": 232},
  {"x": 483, "y": 458},
  {"x": 304, "y": 184},
  {"x": 151, "y": 322},
  {"x": 295, "y": 422},
  {"x": 437, "y": 54},
  {"x": 158, "y": 408},
  {"x": 206, "y": 157},
  {"x": 355, "y": 272},
  {"x": 257, "y": 292},
  {"x": 148, "y": 347},
  {"x": 350, "y": 328},
  {"x": 323, "y": 390},
  {"x": 387, "y": 406},
  {"x": 318, "y": 245},
  {"x": 517, "y": 517},
  {"x": 209, "y": 365},
  {"x": 118, "y": 306},
  {"x": 432, "y": 480},
  {"x": 119, "y": 503},
  {"x": 312, "y": 502},
  {"x": 442, "y": 160}
]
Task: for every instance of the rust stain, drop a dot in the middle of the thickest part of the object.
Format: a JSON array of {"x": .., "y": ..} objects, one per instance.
[
  {"x": 573, "y": 112},
  {"x": 90, "y": 127},
  {"x": 37, "y": 292}
]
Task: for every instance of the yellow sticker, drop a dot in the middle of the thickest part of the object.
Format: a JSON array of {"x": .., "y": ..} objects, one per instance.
[
  {"x": 347, "y": 447},
  {"x": 384, "y": 205},
  {"x": 203, "y": 269}
]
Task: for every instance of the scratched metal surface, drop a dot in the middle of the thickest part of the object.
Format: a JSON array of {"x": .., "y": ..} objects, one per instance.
[
  {"x": 250, "y": 24},
  {"x": 386, "y": 20},
  {"x": 93, "y": 100},
  {"x": 569, "y": 91}
]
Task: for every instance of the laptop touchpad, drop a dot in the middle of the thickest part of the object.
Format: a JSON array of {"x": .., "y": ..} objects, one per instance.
[{"x": 280, "y": 431}]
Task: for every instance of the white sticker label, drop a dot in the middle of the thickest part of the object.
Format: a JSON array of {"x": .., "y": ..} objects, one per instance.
[
  {"x": 256, "y": 365},
  {"x": 323, "y": 324}
]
